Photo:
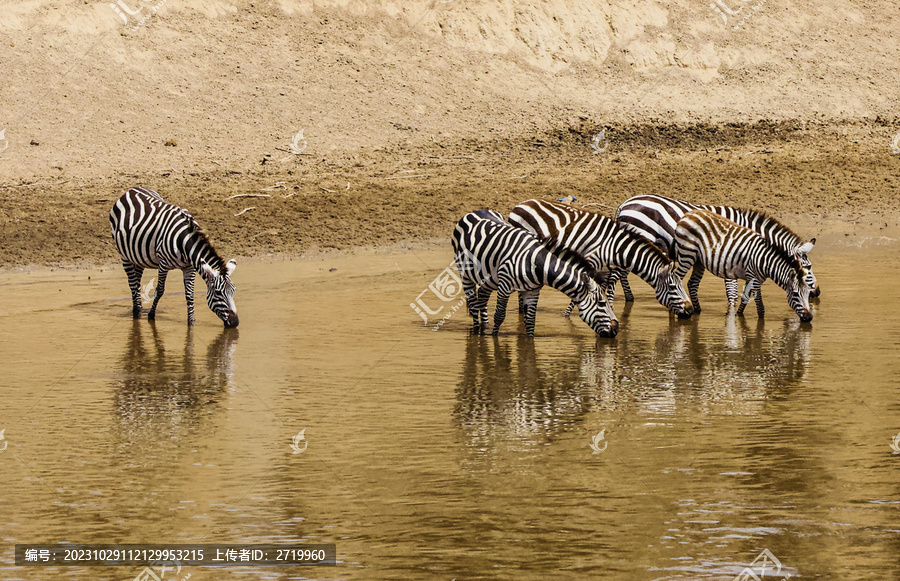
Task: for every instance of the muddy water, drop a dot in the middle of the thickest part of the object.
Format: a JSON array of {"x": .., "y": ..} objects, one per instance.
[{"x": 434, "y": 454}]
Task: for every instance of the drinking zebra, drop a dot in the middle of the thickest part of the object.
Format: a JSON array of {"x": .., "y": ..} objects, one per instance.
[
  {"x": 151, "y": 233},
  {"x": 706, "y": 240},
  {"x": 492, "y": 255},
  {"x": 606, "y": 245},
  {"x": 655, "y": 218}
]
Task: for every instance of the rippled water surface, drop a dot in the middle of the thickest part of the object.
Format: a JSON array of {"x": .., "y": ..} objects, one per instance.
[{"x": 433, "y": 454}]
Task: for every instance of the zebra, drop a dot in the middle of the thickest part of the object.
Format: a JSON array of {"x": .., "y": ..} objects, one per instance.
[
  {"x": 492, "y": 255},
  {"x": 654, "y": 218},
  {"x": 607, "y": 245},
  {"x": 706, "y": 240},
  {"x": 151, "y": 233}
]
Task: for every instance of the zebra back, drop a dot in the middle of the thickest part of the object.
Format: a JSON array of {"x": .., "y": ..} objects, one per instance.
[{"x": 151, "y": 232}]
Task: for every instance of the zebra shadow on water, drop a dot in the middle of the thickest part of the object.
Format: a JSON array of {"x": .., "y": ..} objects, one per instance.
[{"x": 162, "y": 392}]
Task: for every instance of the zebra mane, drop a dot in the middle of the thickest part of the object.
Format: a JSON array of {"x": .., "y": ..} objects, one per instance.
[
  {"x": 203, "y": 240},
  {"x": 764, "y": 217},
  {"x": 792, "y": 260},
  {"x": 655, "y": 250},
  {"x": 572, "y": 257},
  {"x": 633, "y": 237}
]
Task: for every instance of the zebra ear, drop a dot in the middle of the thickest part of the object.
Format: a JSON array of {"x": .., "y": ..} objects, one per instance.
[
  {"x": 805, "y": 248},
  {"x": 229, "y": 268}
]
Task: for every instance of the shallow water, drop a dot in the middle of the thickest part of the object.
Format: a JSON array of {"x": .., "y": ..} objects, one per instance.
[{"x": 436, "y": 454}]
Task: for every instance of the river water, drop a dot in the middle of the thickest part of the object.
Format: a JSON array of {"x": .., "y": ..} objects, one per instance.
[{"x": 428, "y": 453}]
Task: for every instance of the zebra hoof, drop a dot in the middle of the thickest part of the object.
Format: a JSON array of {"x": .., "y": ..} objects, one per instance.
[
  {"x": 136, "y": 314},
  {"x": 151, "y": 316}
]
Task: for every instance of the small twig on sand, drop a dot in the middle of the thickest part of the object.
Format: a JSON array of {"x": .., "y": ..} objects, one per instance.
[
  {"x": 287, "y": 196},
  {"x": 248, "y": 196},
  {"x": 215, "y": 162},
  {"x": 277, "y": 186},
  {"x": 521, "y": 177},
  {"x": 327, "y": 190},
  {"x": 245, "y": 210}
]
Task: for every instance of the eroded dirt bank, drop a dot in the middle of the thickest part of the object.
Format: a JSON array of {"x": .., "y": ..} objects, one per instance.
[{"x": 297, "y": 204}]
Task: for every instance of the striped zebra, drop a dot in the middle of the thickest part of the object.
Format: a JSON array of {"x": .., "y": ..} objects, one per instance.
[
  {"x": 492, "y": 255},
  {"x": 607, "y": 245},
  {"x": 151, "y": 233},
  {"x": 655, "y": 217},
  {"x": 705, "y": 240}
]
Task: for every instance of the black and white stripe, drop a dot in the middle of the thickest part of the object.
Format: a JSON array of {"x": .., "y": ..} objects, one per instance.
[
  {"x": 655, "y": 218},
  {"x": 151, "y": 233},
  {"x": 492, "y": 255},
  {"x": 606, "y": 244},
  {"x": 705, "y": 240}
]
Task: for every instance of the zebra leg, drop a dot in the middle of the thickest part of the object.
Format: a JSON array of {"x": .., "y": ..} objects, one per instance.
[
  {"x": 760, "y": 309},
  {"x": 500, "y": 309},
  {"x": 134, "y": 273},
  {"x": 521, "y": 304},
  {"x": 745, "y": 297},
  {"x": 694, "y": 285},
  {"x": 531, "y": 301},
  {"x": 160, "y": 289},
  {"x": 568, "y": 312},
  {"x": 483, "y": 296},
  {"x": 731, "y": 291},
  {"x": 471, "y": 293},
  {"x": 626, "y": 288},
  {"x": 188, "y": 292}
]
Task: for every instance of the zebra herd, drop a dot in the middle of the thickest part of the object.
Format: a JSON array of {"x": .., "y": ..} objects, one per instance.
[{"x": 583, "y": 254}]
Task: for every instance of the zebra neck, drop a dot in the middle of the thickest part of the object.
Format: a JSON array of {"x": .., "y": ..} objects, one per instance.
[
  {"x": 197, "y": 250},
  {"x": 565, "y": 277},
  {"x": 647, "y": 263},
  {"x": 780, "y": 271}
]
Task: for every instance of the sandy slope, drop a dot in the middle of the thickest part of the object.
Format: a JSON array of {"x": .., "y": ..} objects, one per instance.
[{"x": 212, "y": 92}]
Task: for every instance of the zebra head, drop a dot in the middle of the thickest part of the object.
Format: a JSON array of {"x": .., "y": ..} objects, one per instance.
[
  {"x": 798, "y": 295},
  {"x": 809, "y": 278},
  {"x": 670, "y": 292},
  {"x": 596, "y": 311},
  {"x": 220, "y": 292}
]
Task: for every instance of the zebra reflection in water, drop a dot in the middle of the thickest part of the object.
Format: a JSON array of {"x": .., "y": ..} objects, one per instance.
[
  {"x": 515, "y": 393},
  {"x": 161, "y": 391}
]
